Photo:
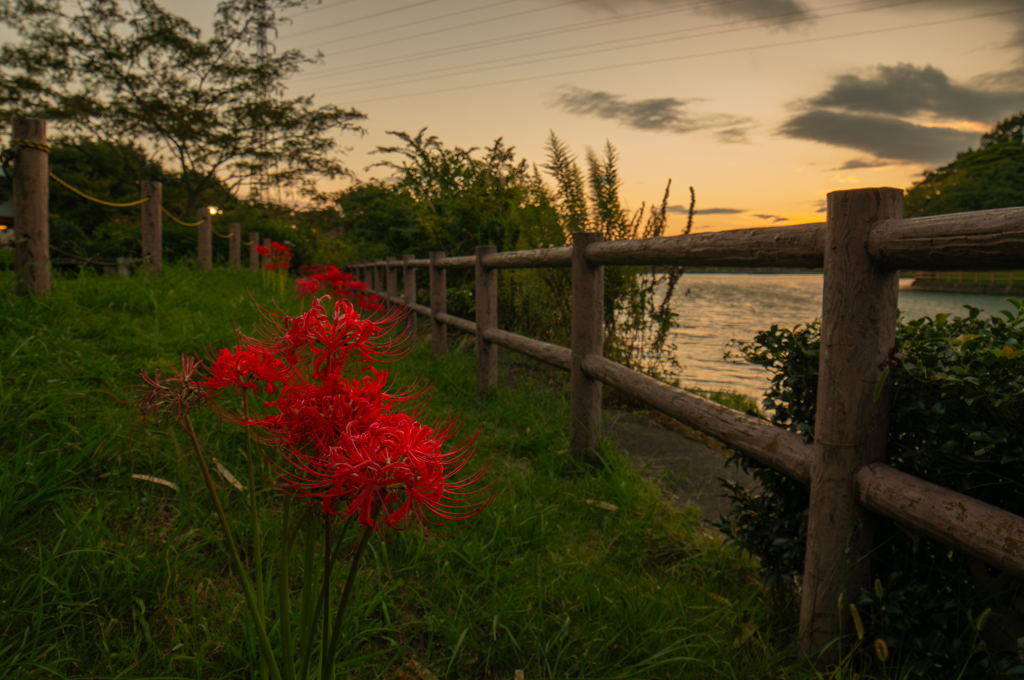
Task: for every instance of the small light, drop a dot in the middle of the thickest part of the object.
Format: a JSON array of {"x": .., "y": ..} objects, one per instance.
[
  {"x": 213, "y": 210},
  {"x": 294, "y": 227}
]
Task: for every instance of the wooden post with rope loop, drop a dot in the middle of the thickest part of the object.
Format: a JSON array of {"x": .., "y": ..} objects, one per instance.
[{"x": 31, "y": 206}]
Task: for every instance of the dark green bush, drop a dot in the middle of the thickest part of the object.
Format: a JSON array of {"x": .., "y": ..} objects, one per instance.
[{"x": 956, "y": 420}]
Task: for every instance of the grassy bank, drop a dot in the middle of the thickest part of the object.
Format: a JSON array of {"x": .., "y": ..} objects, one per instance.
[{"x": 106, "y": 573}]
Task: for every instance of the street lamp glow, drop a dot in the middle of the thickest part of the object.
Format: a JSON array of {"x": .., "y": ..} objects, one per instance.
[{"x": 213, "y": 209}]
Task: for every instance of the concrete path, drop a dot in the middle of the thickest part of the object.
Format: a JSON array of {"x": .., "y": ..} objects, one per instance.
[{"x": 686, "y": 469}]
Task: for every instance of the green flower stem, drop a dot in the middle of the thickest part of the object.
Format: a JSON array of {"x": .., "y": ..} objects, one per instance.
[
  {"x": 363, "y": 540},
  {"x": 254, "y": 515},
  {"x": 324, "y": 585},
  {"x": 284, "y": 605},
  {"x": 326, "y": 596},
  {"x": 305, "y": 618},
  {"x": 250, "y": 599}
]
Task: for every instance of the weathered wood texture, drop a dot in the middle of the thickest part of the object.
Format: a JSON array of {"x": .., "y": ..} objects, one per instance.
[
  {"x": 977, "y": 241},
  {"x": 377, "y": 278},
  {"x": 858, "y": 340},
  {"x": 235, "y": 245},
  {"x": 521, "y": 259},
  {"x": 457, "y": 322},
  {"x": 254, "y": 253},
  {"x": 801, "y": 245},
  {"x": 391, "y": 278},
  {"x": 779, "y": 449},
  {"x": 549, "y": 353},
  {"x": 464, "y": 262},
  {"x": 204, "y": 234},
  {"x": 438, "y": 305},
  {"x": 587, "y": 335},
  {"x": 486, "y": 319},
  {"x": 984, "y": 531},
  {"x": 409, "y": 293},
  {"x": 152, "y": 226},
  {"x": 420, "y": 309},
  {"x": 31, "y": 195},
  {"x": 421, "y": 264}
]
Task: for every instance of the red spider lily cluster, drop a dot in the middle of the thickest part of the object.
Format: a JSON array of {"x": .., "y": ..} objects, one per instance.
[
  {"x": 331, "y": 418},
  {"x": 318, "y": 279},
  {"x": 178, "y": 394},
  {"x": 279, "y": 255}
]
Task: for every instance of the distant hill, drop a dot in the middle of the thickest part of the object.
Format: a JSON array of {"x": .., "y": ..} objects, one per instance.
[{"x": 979, "y": 179}]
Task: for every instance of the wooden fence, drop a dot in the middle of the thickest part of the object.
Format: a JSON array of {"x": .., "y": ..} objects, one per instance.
[
  {"x": 862, "y": 247},
  {"x": 31, "y": 193}
]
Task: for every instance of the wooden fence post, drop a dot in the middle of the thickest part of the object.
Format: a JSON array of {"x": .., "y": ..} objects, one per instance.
[
  {"x": 858, "y": 342},
  {"x": 265, "y": 260},
  {"x": 391, "y": 277},
  {"x": 409, "y": 284},
  {"x": 235, "y": 245},
  {"x": 152, "y": 226},
  {"x": 254, "y": 254},
  {"x": 587, "y": 337},
  {"x": 378, "y": 284},
  {"x": 205, "y": 234},
  {"x": 486, "y": 319},
  {"x": 31, "y": 207},
  {"x": 438, "y": 305}
]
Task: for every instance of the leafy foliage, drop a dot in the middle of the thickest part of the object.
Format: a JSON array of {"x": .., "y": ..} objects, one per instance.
[
  {"x": 133, "y": 73},
  {"x": 957, "y": 420}
]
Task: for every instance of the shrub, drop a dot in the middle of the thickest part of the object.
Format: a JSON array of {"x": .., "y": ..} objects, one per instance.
[{"x": 956, "y": 420}]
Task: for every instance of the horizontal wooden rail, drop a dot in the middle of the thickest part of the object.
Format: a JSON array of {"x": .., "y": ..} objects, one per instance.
[
  {"x": 779, "y": 449},
  {"x": 801, "y": 245},
  {"x": 464, "y": 325},
  {"x": 521, "y": 259},
  {"x": 984, "y": 531},
  {"x": 549, "y": 353},
  {"x": 980, "y": 241},
  {"x": 464, "y": 262}
]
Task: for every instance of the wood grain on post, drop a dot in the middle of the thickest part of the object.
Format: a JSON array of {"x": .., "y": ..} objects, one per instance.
[
  {"x": 378, "y": 283},
  {"x": 152, "y": 225},
  {"x": 31, "y": 208},
  {"x": 235, "y": 245},
  {"x": 858, "y": 340},
  {"x": 587, "y": 320},
  {"x": 391, "y": 278},
  {"x": 205, "y": 235},
  {"x": 486, "y": 320},
  {"x": 438, "y": 305},
  {"x": 409, "y": 286},
  {"x": 254, "y": 253}
]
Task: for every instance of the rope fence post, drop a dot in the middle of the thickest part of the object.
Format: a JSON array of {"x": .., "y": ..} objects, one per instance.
[
  {"x": 152, "y": 226},
  {"x": 205, "y": 234},
  {"x": 235, "y": 245},
  {"x": 587, "y": 320},
  {"x": 409, "y": 285},
  {"x": 31, "y": 206},
  {"x": 486, "y": 319},
  {"x": 438, "y": 304},
  {"x": 858, "y": 344},
  {"x": 391, "y": 279},
  {"x": 254, "y": 254}
]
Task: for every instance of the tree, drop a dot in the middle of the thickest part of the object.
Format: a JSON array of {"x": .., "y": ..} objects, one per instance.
[
  {"x": 991, "y": 176},
  {"x": 131, "y": 72}
]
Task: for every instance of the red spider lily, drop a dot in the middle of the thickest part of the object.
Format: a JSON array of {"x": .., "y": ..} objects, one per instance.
[
  {"x": 178, "y": 394},
  {"x": 244, "y": 367},
  {"x": 306, "y": 285},
  {"x": 262, "y": 250}
]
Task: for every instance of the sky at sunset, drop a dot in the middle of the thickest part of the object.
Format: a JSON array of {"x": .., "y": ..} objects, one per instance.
[{"x": 763, "y": 106}]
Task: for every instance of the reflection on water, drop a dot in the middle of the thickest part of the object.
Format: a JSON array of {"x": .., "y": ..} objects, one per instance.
[{"x": 720, "y": 307}]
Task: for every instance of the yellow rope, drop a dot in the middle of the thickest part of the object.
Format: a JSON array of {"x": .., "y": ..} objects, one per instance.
[
  {"x": 184, "y": 224},
  {"x": 42, "y": 146},
  {"x": 247, "y": 243},
  {"x": 96, "y": 200},
  {"x": 218, "y": 233}
]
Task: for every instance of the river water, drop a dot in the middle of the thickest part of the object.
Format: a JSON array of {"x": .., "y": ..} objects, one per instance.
[{"x": 717, "y": 308}]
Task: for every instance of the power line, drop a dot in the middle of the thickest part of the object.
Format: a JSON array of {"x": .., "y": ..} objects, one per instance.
[
  {"x": 602, "y": 48},
  {"x": 362, "y": 18},
  {"x": 518, "y": 37},
  {"x": 323, "y": 7},
  {"x": 648, "y": 62}
]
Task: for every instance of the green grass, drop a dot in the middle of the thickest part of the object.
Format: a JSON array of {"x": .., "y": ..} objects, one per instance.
[{"x": 106, "y": 575}]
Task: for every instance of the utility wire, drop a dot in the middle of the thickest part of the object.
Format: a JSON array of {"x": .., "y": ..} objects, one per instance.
[
  {"x": 645, "y": 41},
  {"x": 647, "y": 62},
  {"x": 480, "y": 44},
  {"x": 358, "y": 19}
]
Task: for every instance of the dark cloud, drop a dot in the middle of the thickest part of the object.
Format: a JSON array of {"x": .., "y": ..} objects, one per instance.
[
  {"x": 660, "y": 115},
  {"x": 784, "y": 13},
  {"x": 879, "y": 136},
  {"x": 773, "y": 218},
  {"x": 720, "y": 211},
  {"x": 858, "y": 163},
  {"x": 907, "y": 90}
]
